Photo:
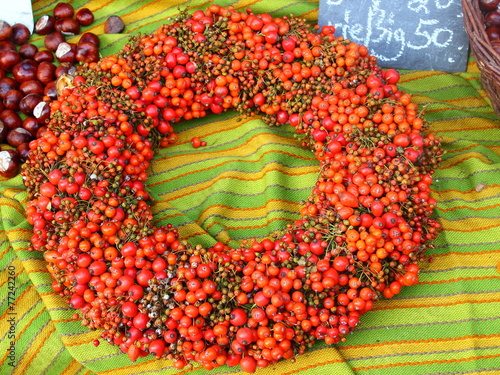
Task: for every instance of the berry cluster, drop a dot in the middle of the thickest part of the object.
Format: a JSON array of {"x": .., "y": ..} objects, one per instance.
[{"x": 363, "y": 230}]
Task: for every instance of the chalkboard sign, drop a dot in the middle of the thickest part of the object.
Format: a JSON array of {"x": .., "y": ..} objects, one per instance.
[{"x": 403, "y": 34}]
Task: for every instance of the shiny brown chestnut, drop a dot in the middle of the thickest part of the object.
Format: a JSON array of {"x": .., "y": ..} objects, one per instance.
[
  {"x": 5, "y": 30},
  {"x": 46, "y": 72},
  {"x": 53, "y": 40},
  {"x": 33, "y": 86},
  {"x": 20, "y": 34},
  {"x": 45, "y": 25},
  {"x": 28, "y": 103},
  {"x": 50, "y": 90},
  {"x": 66, "y": 52},
  {"x": 18, "y": 136},
  {"x": 493, "y": 33},
  {"x": 90, "y": 37},
  {"x": 87, "y": 52},
  {"x": 8, "y": 59},
  {"x": 11, "y": 119},
  {"x": 7, "y": 84},
  {"x": 496, "y": 46},
  {"x": 492, "y": 18},
  {"x": 487, "y": 5},
  {"x": 23, "y": 150},
  {"x": 69, "y": 26},
  {"x": 3, "y": 131},
  {"x": 31, "y": 124},
  {"x": 28, "y": 51},
  {"x": 43, "y": 55},
  {"x": 12, "y": 99},
  {"x": 9, "y": 163},
  {"x": 65, "y": 68},
  {"x": 84, "y": 16},
  {"x": 40, "y": 131},
  {"x": 7, "y": 45},
  {"x": 63, "y": 10},
  {"x": 25, "y": 70},
  {"x": 42, "y": 112}
]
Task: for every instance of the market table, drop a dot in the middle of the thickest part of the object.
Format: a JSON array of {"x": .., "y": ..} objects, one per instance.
[{"x": 247, "y": 182}]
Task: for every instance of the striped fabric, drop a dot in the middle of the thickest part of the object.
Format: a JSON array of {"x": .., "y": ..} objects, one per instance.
[{"x": 247, "y": 182}]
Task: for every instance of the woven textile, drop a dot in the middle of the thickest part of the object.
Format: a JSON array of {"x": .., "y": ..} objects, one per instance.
[{"x": 247, "y": 182}]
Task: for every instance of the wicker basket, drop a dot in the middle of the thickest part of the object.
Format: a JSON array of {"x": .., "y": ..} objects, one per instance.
[{"x": 487, "y": 59}]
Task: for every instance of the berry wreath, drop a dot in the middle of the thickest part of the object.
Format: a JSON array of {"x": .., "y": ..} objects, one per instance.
[{"x": 362, "y": 233}]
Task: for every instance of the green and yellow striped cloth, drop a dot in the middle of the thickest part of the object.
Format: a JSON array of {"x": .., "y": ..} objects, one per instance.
[{"x": 247, "y": 182}]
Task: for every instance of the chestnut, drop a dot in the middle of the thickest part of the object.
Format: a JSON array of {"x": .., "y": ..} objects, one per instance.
[
  {"x": 63, "y": 10},
  {"x": 496, "y": 46},
  {"x": 42, "y": 112},
  {"x": 33, "y": 86},
  {"x": 7, "y": 84},
  {"x": 23, "y": 150},
  {"x": 46, "y": 72},
  {"x": 12, "y": 99},
  {"x": 488, "y": 5},
  {"x": 31, "y": 124},
  {"x": 68, "y": 26},
  {"x": 20, "y": 34},
  {"x": 493, "y": 33},
  {"x": 3, "y": 131},
  {"x": 90, "y": 37},
  {"x": 28, "y": 103},
  {"x": 84, "y": 16},
  {"x": 25, "y": 70},
  {"x": 114, "y": 25},
  {"x": 492, "y": 18},
  {"x": 8, "y": 59},
  {"x": 5, "y": 30},
  {"x": 65, "y": 68},
  {"x": 43, "y": 55},
  {"x": 53, "y": 40},
  {"x": 9, "y": 163},
  {"x": 18, "y": 136},
  {"x": 50, "y": 90},
  {"x": 66, "y": 52},
  {"x": 28, "y": 51},
  {"x": 11, "y": 119},
  {"x": 7, "y": 45},
  {"x": 87, "y": 52},
  {"x": 45, "y": 25}
]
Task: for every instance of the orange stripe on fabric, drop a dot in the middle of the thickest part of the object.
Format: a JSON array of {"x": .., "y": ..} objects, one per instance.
[
  {"x": 459, "y": 279},
  {"x": 314, "y": 365},
  {"x": 464, "y": 192},
  {"x": 447, "y": 228},
  {"x": 465, "y": 254},
  {"x": 419, "y": 363},
  {"x": 393, "y": 307},
  {"x": 468, "y": 208},
  {"x": 426, "y": 341}
]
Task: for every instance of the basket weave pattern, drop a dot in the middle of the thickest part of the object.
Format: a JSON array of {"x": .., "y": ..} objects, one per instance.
[{"x": 488, "y": 61}]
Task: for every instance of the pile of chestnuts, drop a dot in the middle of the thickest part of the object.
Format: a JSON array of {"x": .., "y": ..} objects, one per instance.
[
  {"x": 28, "y": 76},
  {"x": 491, "y": 12}
]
